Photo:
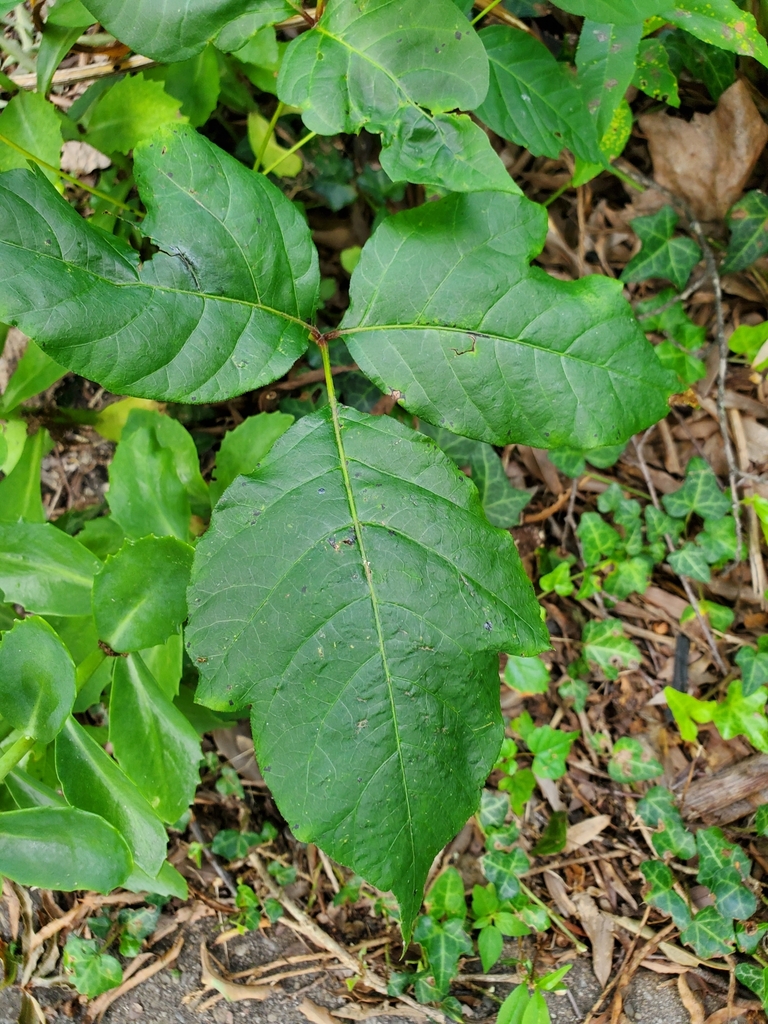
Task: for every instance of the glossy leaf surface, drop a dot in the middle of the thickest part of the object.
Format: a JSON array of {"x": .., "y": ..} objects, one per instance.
[
  {"x": 662, "y": 254},
  {"x": 208, "y": 317},
  {"x": 244, "y": 447},
  {"x": 387, "y": 683},
  {"x": 479, "y": 341},
  {"x": 62, "y": 848},
  {"x": 45, "y": 570},
  {"x": 37, "y": 679},
  {"x": 748, "y": 221}
]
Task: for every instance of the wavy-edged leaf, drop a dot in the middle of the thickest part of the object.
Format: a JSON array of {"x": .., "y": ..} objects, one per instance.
[
  {"x": 62, "y": 848},
  {"x": 375, "y": 669},
  {"x": 397, "y": 70},
  {"x": 709, "y": 933},
  {"x": 617, "y": 12},
  {"x": 161, "y": 29},
  {"x": 208, "y": 317},
  {"x": 482, "y": 343},
  {"x": 721, "y": 23},
  {"x": 45, "y": 570},
  {"x": 533, "y": 99}
]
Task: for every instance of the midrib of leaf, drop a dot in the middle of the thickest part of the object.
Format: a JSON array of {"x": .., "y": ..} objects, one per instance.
[
  {"x": 138, "y": 283},
  {"x": 28, "y": 563},
  {"x": 357, "y": 525}
]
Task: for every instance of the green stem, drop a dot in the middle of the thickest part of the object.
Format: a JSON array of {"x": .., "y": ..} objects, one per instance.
[
  {"x": 290, "y": 152},
  {"x": 13, "y": 754},
  {"x": 558, "y": 920},
  {"x": 485, "y": 10},
  {"x": 63, "y": 174},
  {"x": 268, "y": 136},
  {"x": 625, "y": 178},
  {"x": 86, "y": 668},
  {"x": 558, "y": 193}
]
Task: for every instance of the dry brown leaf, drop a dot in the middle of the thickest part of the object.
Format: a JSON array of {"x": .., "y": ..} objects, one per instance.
[
  {"x": 585, "y": 831},
  {"x": 316, "y": 1014},
  {"x": 708, "y": 160},
  {"x": 664, "y": 967},
  {"x": 232, "y": 992},
  {"x": 729, "y": 1014},
  {"x": 599, "y": 928},
  {"x": 690, "y": 1002},
  {"x": 556, "y": 889},
  {"x": 80, "y": 158},
  {"x": 354, "y": 1011},
  {"x": 757, "y": 438}
]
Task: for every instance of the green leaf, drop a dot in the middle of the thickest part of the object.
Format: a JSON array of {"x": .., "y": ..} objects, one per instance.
[
  {"x": 673, "y": 321},
  {"x": 659, "y": 524},
  {"x": 720, "y": 23},
  {"x": 597, "y": 537},
  {"x": 718, "y": 540},
  {"x": 153, "y": 742},
  {"x": 514, "y": 1006},
  {"x": 490, "y": 945},
  {"x": 553, "y": 837},
  {"x": 353, "y": 71},
  {"x": 629, "y": 577},
  {"x": 131, "y": 110},
  {"x": 494, "y": 808},
  {"x": 533, "y": 99},
  {"x": 605, "y": 59},
  {"x": 484, "y": 901},
  {"x": 32, "y": 123},
  {"x": 748, "y": 224},
  {"x": 657, "y": 809},
  {"x": 35, "y": 372},
  {"x": 551, "y": 747},
  {"x": 527, "y": 675},
  {"x": 102, "y": 536},
  {"x": 236, "y": 33},
  {"x": 661, "y": 255},
  {"x": 55, "y": 44},
  {"x": 62, "y": 848},
  {"x": 407, "y": 657},
  {"x": 755, "y": 978},
  {"x": 490, "y": 347},
  {"x": 575, "y": 690},
  {"x": 690, "y": 561},
  {"x": 232, "y": 845},
  {"x": 30, "y": 792},
  {"x": 37, "y": 679},
  {"x": 558, "y": 580},
  {"x": 195, "y": 83},
  {"x": 754, "y": 669},
  {"x": 653, "y": 74},
  {"x": 519, "y": 788},
  {"x": 139, "y": 597},
  {"x": 731, "y": 897},
  {"x": 288, "y": 166},
  {"x": 748, "y": 340},
  {"x": 90, "y": 971},
  {"x": 20, "y": 495},
  {"x": 709, "y": 933},
  {"x": 700, "y": 494},
  {"x": 236, "y": 264},
  {"x": 662, "y": 894},
  {"x": 761, "y": 820},
  {"x": 620, "y": 12},
  {"x": 631, "y": 762},
  {"x": 93, "y": 782},
  {"x": 606, "y": 646},
  {"x": 720, "y": 617},
  {"x": 741, "y": 715},
  {"x": 45, "y": 570},
  {"x": 714, "y": 67},
  {"x": 688, "y": 711},
  {"x": 243, "y": 448},
  {"x": 445, "y": 898},
  {"x": 749, "y": 935},
  {"x": 503, "y": 870},
  {"x": 443, "y": 944}
]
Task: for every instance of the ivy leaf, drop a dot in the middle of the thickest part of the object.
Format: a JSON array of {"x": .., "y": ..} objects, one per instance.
[
  {"x": 533, "y": 99},
  {"x": 631, "y": 576},
  {"x": 503, "y": 870},
  {"x": 155, "y": 28},
  {"x": 490, "y": 347},
  {"x": 748, "y": 224},
  {"x": 133, "y": 109},
  {"x": 690, "y": 561},
  {"x": 688, "y": 711},
  {"x": 700, "y": 494},
  {"x": 631, "y": 762},
  {"x": 731, "y": 897},
  {"x": 597, "y": 537},
  {"x": 605, "y": 58},
  {"x": 755, "y": 978},
  {"x": 443, "y": 944},
  {"x": 91, "y": 972},
  {"x": 606, "y": 646},
  {"x": 754, "y": 669},
  {"x": 404, "y": 675},
  {"x": 37, "y": 679},
  {"x": 720, "y": 23},
  {"x": 445, "y": 898},
  {"x": 709, "y": 933},
  {"x": 739, "y": 715},
  {"x": 526, "y": 675},
  {"x": 353, "y": 71},
  {"x": 236, "y": 264},
  {"x": 661, "y": 255},
  {"x": 494, "y": 808},
  {"x": 653, "y": 74},
  {"x": 559, "y": 580},
  {"x": 747, "y": 340},
  {"x": 749, "y": 935},
  {"x": 718, "y": 539},
  {"x": 657, "y": 809},
  {"x": 658, "y": 525},
  {"x": 551, "y": 747},
  {"x": 233, "y": 845},
  {"x": 715, "y": 67},
  {"x": 662, "y": 894}
]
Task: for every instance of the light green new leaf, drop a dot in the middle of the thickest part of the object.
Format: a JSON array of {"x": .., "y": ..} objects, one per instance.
[
  {"x": 159, "y": 28},
  {"x": 653, "y": 74},
  {"x": 605, "y": 59},
  {"x": 90, "y": 971},
  {"x": 482, "y": 343},
  {"x": 709, "y": 933},
  {"x": 20, "y": 494},
  {"x": 37, "y": 679},
  {"x": 657, "y": 809},
  {"x": 700, "y": 494},
  {"x": 662, "y": 894},
  {"x": 92, "y": 781},
  {"x": 619, "y": 12},
  {"x": 195, "y": 83},
  {"x": 396, "y": 69},
  {"x": 721, "y": 23},
  {"x": 364, "y": 655},
  {"x": 533, "y": 99},
  {"x": 688, "y": 711},
  {"x": 30, "y": 792},
  {"x": 243, "y": 448},
  {"x": 631, "y": 762},
  {"x": 208, "y": 317},
  {"x": 131, "y": 110},
  {"x": 527, "y": 675},
  {"x": 34, "y": 373},
  {"x": 662, "y": 255},
  {"x": 748, "y": 223},
  {"x": 139, "y": 597},
  {"x": 740, "y": 715},
  {"x": 146, "y": 495},
  {"x": 31, "y": 122},
  {"x": 551, "y": 747},
  {"x": 446, "y": 896},
  {"x": 606, "y": 646},
  {"x": 154, "y": 743},
  {"x": 55, "y": 44},
  {"x": 490, "y": 945},
  {"x": 62, "y": 848},
  {"x": 514, "y": 1006},
  {"x": 45, "y": 570}
]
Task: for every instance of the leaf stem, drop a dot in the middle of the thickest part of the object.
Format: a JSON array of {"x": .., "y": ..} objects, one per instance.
[
  {"x": 556, "y": 195},
  {"x": 558, "y": 920},
  {"x": 268, "y": 135},
  {"x": 13, "y": 754},
  {"x": 485, "y": 10},
  {"x": 67, "y": 177},
  {"x": 290, "y": 152}
]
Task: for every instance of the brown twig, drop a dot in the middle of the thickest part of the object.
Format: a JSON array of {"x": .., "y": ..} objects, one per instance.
[
  {"x": 212, "y": 859},
  {"x": 546, "y": 513}
]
